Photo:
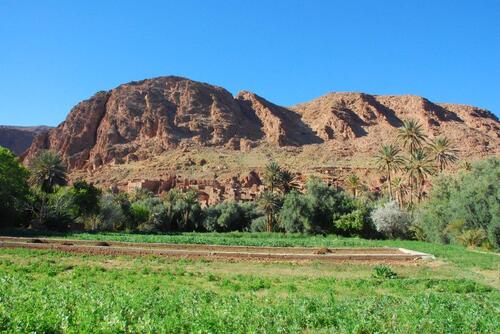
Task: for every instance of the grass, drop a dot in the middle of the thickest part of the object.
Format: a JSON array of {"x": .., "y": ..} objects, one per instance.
[
  {"x": 51, "y": 292},
  {"x": 452, "y": 253}
]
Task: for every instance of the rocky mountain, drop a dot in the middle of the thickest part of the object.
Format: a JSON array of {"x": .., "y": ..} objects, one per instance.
[
  {"x": 147, "y": 119},
  {"x": 19, "y": 138}
]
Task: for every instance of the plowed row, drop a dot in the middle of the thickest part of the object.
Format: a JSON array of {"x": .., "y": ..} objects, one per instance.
[{"x": 381, "y": 255}]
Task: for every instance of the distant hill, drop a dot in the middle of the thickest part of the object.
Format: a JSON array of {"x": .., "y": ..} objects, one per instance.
[{"x": 19, "y": 138}]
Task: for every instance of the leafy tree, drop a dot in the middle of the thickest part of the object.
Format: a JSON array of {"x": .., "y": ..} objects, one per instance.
[
  {"x": 412, "y": 135},
  {"x": 47, "y": 171},
  {"x": 86, "y": 198},
  {"x": 111, "y": 212},
  {"x": 269, "y": 202},
  {"x": 227, "y": 217},
  {"x": 388, "y": 159},
  {"x": 444, "y": 153},
  {"x": 472, "y": 197},
  {"x": 296, "y": 214},
  {"x": 13, "y": 187}
]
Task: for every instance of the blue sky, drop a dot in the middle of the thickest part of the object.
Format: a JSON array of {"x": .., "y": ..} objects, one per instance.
[{"x": 55, "y": 53}]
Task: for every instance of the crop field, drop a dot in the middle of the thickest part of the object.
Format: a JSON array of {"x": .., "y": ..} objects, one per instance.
[{"x": 48, "y": 291}]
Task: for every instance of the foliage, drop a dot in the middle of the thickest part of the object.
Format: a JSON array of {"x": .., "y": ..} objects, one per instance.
[
  {"x": 13, "y": 188},
  {"x": 412, "y": 135},
  {"x": 389, "y": 160},
  {"x": 296, "y": 213},
  {"x": 392, "y": 221},
  {"x": 472, "y": 197},
  {"x": 384, "y": 272},
  {"x": 47, "y": 171},
  {"x": 227, "y": 217},
  {"x": 494, "y": 234},
  {"x": 270, "y": 203},
  {"x": 85, "y": 198},
  {"x": 111, "y": 213},
  {"x": 473, "y": 238},
  {"x": 444, "y": 152},
  {"x": 75, "y": 294}
]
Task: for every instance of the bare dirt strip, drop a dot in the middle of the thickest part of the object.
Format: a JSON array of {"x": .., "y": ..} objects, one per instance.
[{"x": 377, "y": 255}]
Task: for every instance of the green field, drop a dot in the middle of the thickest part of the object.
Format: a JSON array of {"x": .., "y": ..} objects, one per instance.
[{"x": 52, "y": 292}]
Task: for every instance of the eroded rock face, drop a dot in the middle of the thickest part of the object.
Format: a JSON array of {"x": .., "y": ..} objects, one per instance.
[{"x": 139, "y": 120}]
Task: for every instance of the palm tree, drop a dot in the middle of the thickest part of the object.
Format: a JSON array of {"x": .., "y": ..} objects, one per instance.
[
  {"x": 47, "y": 171},
  {"x": 389, "y": 160},
  {"x": 412, "y": 135},
  {"x": 286, "y": 181},
  {"x": 401, "y": 190},
  {"x": 353, "y": 183},
  {"x": 189, "y": 202},
  {"x": 272, "y": 175},
  {"x": 444, "y": 153},
  {"x": 419, "y": 167},
  {"x": 269, "y": 202}
]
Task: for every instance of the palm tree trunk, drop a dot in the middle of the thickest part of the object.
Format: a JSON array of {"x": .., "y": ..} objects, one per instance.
[{"x": 390, "y": 185}]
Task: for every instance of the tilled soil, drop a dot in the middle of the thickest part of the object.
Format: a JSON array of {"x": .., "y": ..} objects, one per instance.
[{"x": 382, "y": 254}]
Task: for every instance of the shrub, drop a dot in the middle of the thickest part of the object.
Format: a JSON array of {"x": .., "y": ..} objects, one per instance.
[
  {"x": 473, "y": 238},
  {"x": 384, "y": 272},
  {"x": 391, "y": 221},
  {"x": 494, "y": 235},
  {"x": 259, "y": 225}
]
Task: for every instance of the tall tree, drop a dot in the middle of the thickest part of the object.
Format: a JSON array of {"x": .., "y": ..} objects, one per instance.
[
  {"x": 269, "y": 202},
  {"x": 412, "y": 135},
  {"x": 444, "y": 152},
  {"x": 13, "y": 187},
  {"x": 47, "y": 171},
  {"x": 286, "y": 181},
  {"x": 388, "y": 159},
  {"x": 188, "y": 204},
  {"x": 353, "y": 183},
  {"x": 272, "y": 174},
  {"x": 401, "y": 189},
  {"x": 419, "y": 166}
]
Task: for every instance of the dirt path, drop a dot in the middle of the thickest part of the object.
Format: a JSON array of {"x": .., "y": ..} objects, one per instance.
[{"x": 382, "y": 254}]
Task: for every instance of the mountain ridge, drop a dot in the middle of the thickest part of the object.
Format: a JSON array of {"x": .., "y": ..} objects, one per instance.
[{"x": 141, "y": 120}]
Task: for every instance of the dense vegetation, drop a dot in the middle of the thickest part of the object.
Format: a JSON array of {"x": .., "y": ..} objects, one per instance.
[
  {"x": 51, "y": 292},
  {"x": 459, "y": 208}
]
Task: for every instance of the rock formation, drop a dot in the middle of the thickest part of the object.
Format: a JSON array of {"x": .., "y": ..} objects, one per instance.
[
  {"x": 141, "y": 120},
  {"x": 19, "y": 138}
]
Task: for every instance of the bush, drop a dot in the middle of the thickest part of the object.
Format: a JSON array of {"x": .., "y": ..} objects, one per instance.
[
  {"x": 384, "y": 272},
  {"x": 473, "y": 238},
  {"x": 391, "y": 221},
  {"x": 494, "y": 235},
  {"x": 259, "y": 225}
]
